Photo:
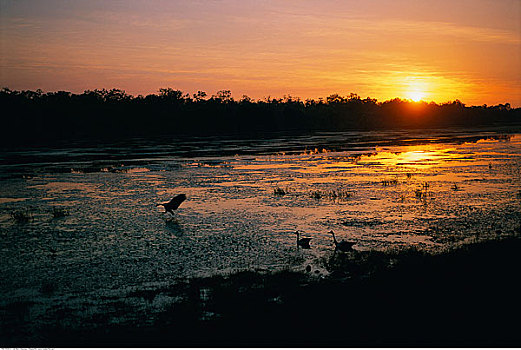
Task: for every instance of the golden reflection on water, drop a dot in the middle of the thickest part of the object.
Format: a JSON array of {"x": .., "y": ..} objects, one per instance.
[
  {"x": 422, "y": 156},
  {"x": 395, "y": 185},
  {"x": 419, "y": 157}
]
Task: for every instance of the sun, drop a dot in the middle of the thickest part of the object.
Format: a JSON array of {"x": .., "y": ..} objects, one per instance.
[
  {"x": 416, "y": 95},
  {"x": 416, "y": 88}
]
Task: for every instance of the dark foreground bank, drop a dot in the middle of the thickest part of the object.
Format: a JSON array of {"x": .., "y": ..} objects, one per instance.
[{"x": 465, "y": 297}]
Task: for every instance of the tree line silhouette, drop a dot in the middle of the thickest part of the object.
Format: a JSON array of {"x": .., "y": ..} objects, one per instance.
[{"x": 46, "y": 117}]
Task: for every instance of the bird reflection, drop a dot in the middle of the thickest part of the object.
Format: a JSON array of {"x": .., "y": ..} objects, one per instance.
[{"x": 174, "y": 227}]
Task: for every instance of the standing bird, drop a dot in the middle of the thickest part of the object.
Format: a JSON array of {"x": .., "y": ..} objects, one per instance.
[
  {"x": 173, "y": 204},
  {"x": 302, "y": 242},
  {"x": 343, "y": 246}
]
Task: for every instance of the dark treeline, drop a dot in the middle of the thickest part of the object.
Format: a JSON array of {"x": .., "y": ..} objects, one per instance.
[{"x": 37, "y": 117}]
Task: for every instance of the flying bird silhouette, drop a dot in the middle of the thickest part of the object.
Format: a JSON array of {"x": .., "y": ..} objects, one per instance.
[
  {"x": 302, "y": 242},
  {"x": 343, "y": 246},
  {"x": 173, "y": 204}
]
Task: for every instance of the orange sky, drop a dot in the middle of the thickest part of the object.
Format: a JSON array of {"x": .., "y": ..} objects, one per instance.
[{"x": 433, "y": 50}]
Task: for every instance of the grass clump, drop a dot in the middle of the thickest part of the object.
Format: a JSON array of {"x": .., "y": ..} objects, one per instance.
[
  {"x": 421, "y": 192},
  {"x": 59, "y": 213},
  {"x": 277, "y": 191},
  {"x": 21, "y": 216},
  {"x": 332, "y": 194},
  {"x": 391, "y": 182},
  {"x": 338, "y": 194}
]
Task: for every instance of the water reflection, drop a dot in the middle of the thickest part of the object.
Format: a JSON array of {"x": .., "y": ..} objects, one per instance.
[
  {"x": 383, "y": 195},
  {"x": 173, "y": 226}
]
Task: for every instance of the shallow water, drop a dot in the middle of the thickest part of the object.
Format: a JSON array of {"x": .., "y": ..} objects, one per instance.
[{"x": 382, "y": 190}]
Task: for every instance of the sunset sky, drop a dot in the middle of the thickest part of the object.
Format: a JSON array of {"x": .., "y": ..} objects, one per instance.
[{"x": 433, "y": 50}]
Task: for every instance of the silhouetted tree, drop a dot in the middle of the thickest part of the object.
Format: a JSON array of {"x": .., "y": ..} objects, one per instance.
[
  {"x": 101, "y": 113},
  {"x": 200, "y": 96},
  {"x": 246, "y": 99},
  {"x": 335, "y": 98},
  {"x": 170, "y": 95},
  {"x": 224, "y": 96}
]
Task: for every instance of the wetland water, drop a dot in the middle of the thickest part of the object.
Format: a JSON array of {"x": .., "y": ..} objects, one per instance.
[{"x": 383, "y": 190}]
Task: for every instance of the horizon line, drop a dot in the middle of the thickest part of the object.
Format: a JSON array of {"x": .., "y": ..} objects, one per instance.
[{"x": 284, "y": 98}]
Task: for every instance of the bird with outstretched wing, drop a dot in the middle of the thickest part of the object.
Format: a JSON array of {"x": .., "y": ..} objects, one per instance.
[{"x": 173, "y": 204}]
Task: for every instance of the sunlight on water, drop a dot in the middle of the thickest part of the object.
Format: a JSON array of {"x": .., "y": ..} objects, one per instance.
[{"x": 93, "y": 223}]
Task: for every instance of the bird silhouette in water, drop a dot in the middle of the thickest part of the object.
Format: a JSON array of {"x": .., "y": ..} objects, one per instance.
[
  {"x": 342, "y": 246},
  {"x": 173, "y": 204},
  {"x": 302, "y": 242}
]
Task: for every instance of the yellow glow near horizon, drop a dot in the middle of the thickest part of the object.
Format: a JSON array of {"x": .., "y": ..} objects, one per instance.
[
  {"x": 416, "y": 88},
  {"x": 416, "y": 96}
]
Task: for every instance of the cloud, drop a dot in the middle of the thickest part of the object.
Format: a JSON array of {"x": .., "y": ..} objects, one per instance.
[{"x": 357, "y": 28}]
